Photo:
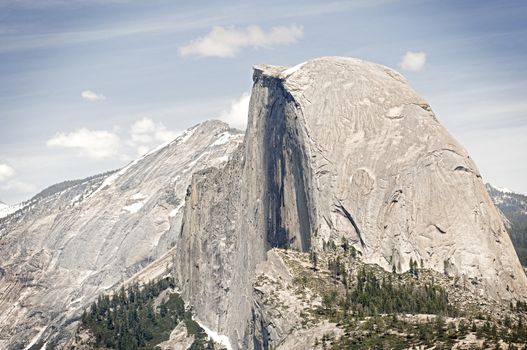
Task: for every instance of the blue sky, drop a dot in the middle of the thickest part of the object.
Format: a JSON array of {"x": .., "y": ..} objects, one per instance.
[{"x": 88, "y": 85}]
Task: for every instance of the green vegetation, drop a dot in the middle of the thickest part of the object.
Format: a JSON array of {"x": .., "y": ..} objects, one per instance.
[
  {"x": 59, "y": 187},
  {"x": 372, "y": 296},
  {"x": 128, "y": 320},
  {"x": 368, "y": 309},
  {"x": 381, "y": 310}
]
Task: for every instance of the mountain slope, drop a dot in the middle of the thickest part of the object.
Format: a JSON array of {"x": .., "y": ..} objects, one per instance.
[
  {"x": 514, "y": 207},
  {"x": 82, "y": 238},
  {"x": 338, "y": 148}
]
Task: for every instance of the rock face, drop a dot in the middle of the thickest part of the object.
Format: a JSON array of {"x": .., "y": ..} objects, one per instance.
[
  {"x": 82, "y": 238},
  {"x": 338, "y": 147}
]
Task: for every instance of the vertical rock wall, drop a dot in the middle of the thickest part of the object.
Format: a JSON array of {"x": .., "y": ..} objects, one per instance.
[{"x": 338, "y": 147}]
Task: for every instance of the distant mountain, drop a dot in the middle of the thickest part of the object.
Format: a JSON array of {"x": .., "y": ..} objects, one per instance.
[
  {"x": 6, "y": 210},
  {"x": 514, "y": 207}
]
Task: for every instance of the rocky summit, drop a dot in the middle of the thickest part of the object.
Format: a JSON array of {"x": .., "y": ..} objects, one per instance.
[
  {"x": 338, "y": 148},
  {"x": 344, "y": 178}
]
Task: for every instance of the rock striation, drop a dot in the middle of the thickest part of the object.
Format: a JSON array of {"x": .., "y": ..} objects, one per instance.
[
  {"x": 338, "y": 147},
  {"x": 82, "y": 238}
]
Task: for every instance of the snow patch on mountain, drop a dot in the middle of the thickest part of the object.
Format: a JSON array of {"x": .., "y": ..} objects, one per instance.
[
  {"x": 138, "y": 196},
  {"x": 176, "y": 210},
  {"x": 286, "y": 73},
  {"x": 112, "y": 178},
  {"x": 35, "y": 339},
  {"x": 6, "y": 210},
  {"x": 218, "y": 338},
  {"x": 134, "y": 208},
  {"x": 223, "y": 139}
]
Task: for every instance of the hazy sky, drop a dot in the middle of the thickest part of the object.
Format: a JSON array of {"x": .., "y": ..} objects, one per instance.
[{"x": 88, "y": 85}]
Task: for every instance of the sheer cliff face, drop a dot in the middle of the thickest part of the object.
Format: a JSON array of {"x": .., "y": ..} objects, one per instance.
[
  {"x": 62, "y": 250},
  {"x": 339, "y": 147},
  {"x": 381, "y": 170}
]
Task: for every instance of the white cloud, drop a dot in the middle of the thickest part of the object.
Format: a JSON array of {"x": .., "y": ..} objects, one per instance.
[
  {"x": 236, "y": 116},
  {"x": 19, "y": 186},
  {"x": 6, "y": 172},
  {"x": 413, "y": 61},
  {"x": 146, "y": 134},
  {"x": 7, "y": 183},
  {"x": 96, "y": 144},
  {"x": 227, "y": 42},
  {"x": 92, "y": 96}
]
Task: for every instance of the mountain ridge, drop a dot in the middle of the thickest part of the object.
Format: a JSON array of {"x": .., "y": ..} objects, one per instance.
[{"x": 64, "y": 248}]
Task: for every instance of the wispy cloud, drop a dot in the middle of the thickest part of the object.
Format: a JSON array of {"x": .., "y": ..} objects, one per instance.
[
  {"x": 237, "y": 114},
  {"x": 413, "y": 61},
  {"x": 144, "y": 135},
  {"x": 95, "y": 144},
  {"x": 92, "y": 96},
  {"x": 173, "y": 22},
  {"x": 227, "y": 42},
  {"x": 20, "y": 41}
]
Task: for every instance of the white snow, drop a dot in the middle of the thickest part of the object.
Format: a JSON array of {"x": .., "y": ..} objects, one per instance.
[
  {"x": 223, "y": 139},
  {"x": 394, "y": 112},
  {"x": 504, "y": 189},
  {"x": 286, "y": 73},
  {"x": 223, "y": 159},
  {"x": 158, "y": 148},
  {"x": 75, "y": 199},
  {"x": 186, "y": 135},
  {"x": 5, "y": 209},
  {"x": 134, "y": 208},
  {"x": 138, "y": 196},
  {"x": 35, "y": 339},
  {"x": 218, "y": 338},
  {"x": 192, "y": 163},
  {"x": 174, "y": 211},
  {"x": 111, "y": 179}
]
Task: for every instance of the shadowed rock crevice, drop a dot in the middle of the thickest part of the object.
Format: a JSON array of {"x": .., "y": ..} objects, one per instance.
[
  {"x": 286, "y": 203},
  {"x": 344, "y": 212}
]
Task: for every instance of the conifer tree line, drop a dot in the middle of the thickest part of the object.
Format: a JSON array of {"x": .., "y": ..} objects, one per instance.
[
  {"x": 367, "y": 303},
  {"x": 128, "y": 320}
]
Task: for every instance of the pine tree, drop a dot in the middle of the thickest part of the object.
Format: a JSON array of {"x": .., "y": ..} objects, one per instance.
[{"x": 314, "y": 259}]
